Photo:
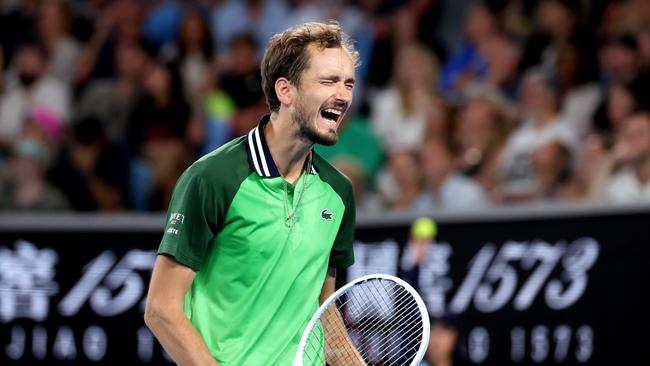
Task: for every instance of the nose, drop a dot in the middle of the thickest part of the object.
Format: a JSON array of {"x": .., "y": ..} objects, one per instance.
[{"x": 343, "y": 93}]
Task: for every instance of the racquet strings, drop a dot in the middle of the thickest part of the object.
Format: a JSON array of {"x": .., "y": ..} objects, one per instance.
[{"x": 377, "y": 321}]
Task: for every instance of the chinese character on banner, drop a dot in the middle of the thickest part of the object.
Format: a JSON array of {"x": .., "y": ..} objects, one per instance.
[{"x": 26, "y": 281}]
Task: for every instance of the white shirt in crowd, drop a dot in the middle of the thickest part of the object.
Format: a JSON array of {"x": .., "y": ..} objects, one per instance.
[
  {"x": 624, "y": 187},
  {"x": 396, "y": 129},
  {"x": 17, "y": 103},
  {"x": 515, "y": 164}
]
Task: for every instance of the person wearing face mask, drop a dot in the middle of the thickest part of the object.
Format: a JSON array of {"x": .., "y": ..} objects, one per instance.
[
  {"x": 26, "y": 87},
  {"x": 23, "y": 185}
]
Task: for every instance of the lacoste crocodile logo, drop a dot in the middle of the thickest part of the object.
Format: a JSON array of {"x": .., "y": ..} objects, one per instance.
[{"x": 326, "y": 215}]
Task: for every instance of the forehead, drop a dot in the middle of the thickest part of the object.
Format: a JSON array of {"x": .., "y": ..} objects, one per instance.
[{"x": 335, "y": 61}]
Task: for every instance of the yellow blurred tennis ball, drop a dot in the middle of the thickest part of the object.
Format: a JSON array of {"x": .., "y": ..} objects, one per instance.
[{"x": 424, "y": 228}]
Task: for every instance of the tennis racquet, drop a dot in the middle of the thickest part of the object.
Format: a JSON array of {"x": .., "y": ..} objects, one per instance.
[{"x": 374, "y": 320}]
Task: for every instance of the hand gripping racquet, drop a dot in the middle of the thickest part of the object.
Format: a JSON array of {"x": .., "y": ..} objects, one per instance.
[{"x": 374, "y": 320}]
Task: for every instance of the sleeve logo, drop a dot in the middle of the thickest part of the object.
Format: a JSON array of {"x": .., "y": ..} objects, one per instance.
[
  {"x": 326, "y": 215},
  {"x": 176, "y": 218}
]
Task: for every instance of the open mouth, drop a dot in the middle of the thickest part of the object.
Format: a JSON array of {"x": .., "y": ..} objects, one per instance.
[{"x": 331, "y": 114}]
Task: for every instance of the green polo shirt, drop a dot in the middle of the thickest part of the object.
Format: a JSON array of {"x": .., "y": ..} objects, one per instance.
[{"x": 257, "y": 280}]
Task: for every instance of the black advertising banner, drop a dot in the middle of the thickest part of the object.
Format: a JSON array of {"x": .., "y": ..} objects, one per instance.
[
  {"x": 552, "y": 291},
  {"x": 567, "y": 291},
  {"x": 76, "y": 298}
]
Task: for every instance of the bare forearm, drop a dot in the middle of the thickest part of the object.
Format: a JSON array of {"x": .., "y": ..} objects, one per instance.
[{"x": 180, "y": 339}]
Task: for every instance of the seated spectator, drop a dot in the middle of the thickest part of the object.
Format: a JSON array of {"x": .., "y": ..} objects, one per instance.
[
  {"x": 91, "y": 171},
  {"x": 444, "y": 186},
  {"x": 620, "y": 101},
  {"x": 263, "y": 18},
  {"x": 111, "y": 100},
  {"x": 24, "y": 186},
  {"x": 54, "y": 24},
  {"x": 488, "y": 56},
  {"x": 591, "y": 157},
  {"x": 399, "y": 185},
  {"x": 33, "y": 88},
  {"x": 240, "y": 78},
  {"x": 157, "y": 137},
  {"x": 400, "y": 114},
  {"x": 579, "y": 92},
  {"x": 625, "y": 176},
  {"x": 193, "y": 50},
  {"x": 620, "y": 59},
  {"x": 118, "y": 21},
  {"x": 479, "y": 137},
  {"x": 542, "y": 124},
  {"x": 552, "y": 167},
  {"x": 558, "y": 22}
]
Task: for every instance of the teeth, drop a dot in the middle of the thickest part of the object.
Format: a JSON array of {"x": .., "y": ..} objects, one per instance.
[{"x": 333, "y": 111}]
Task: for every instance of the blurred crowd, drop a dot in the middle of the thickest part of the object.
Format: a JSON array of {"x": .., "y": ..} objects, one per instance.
[{"x": 459, "y": 104}]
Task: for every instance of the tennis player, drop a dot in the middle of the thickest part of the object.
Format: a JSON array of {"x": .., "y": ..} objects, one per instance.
[{"x": 256, "y": 229}]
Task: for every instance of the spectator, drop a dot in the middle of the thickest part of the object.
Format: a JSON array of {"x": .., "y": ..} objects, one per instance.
[
  {"x": 91, "y": 171},
  {"x": 162, "y": 21},
  {"x": 558, "y": 23},
  {"x": 625, "y": 176},
  {"x": 54, "y": 25},
  {"x": 242, "y": 81},
  {"x": 593, "y": 153},
  {"x": 33, "y": 88},
  {"x": 263, "y": 18},
  {"x": 552, "y": 167},
  {"x": 487, "y": 57},
  {"x": 111, "y": 100},
  {"x": 193, "y": 50},
  {"x": 399, "y": 114},
  {"x": 23, "y": 186},
  {"x": 17, "y": 27},
  {"x": 444, "y": 187},
  {"x": 400, "y": 183},
  {"x": 43, "y": 126},
  {"x": 120, "y": 21},
  {"x": 579, "y": 92},
  {"x": 480, "y": 133},
  {"x": 157, "y": 135},
  {"x": 620, "y": 59},
  {"x": 620, "y": 102},
  {"x": 542, "y": 124}
]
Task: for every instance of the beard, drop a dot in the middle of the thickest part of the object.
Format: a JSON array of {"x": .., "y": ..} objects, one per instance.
[{"x": 307, "y": 126}]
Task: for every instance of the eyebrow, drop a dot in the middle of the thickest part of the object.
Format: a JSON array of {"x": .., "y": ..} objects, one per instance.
[{"x": 336, "y": 78}]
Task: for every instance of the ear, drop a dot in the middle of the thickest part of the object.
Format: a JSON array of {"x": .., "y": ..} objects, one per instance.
[{"x": 284, "y": 91}]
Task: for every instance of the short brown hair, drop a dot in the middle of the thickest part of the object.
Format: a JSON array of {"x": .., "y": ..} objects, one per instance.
[{"x": 286, "y": 54}]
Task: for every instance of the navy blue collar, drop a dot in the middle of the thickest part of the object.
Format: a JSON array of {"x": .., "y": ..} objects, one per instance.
[{"x": 259, "y": 155}]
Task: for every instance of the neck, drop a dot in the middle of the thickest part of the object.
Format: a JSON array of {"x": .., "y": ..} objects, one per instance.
[{"x": 289, "y": 152}]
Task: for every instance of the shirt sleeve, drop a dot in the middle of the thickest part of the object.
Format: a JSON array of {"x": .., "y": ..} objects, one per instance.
[
  {"x": 342, "y": 254},
  {"x": 191, "y": 221}
]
